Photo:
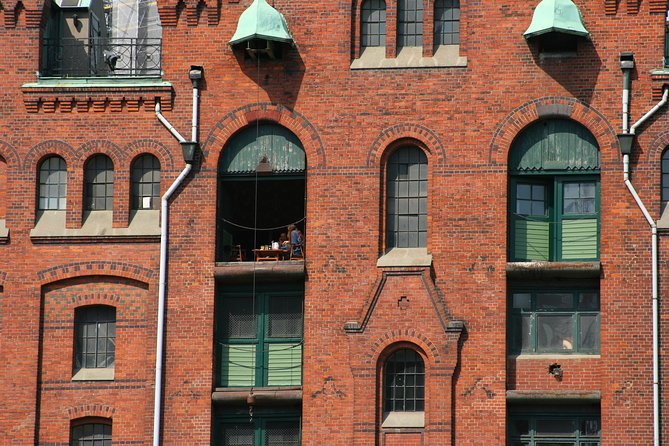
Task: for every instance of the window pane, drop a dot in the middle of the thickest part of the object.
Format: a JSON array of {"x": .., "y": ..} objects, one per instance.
[
  {"x": 555, "y": 333},
  {"x": 282, "y": 433},
  {"x": 588, "y": 332},
  {"x": 95, "y": 333},
  {"x": 556, "y": 427},
  {"x": 552, "y": 301},
  {"x": 52, "y": 184},
  {"x": 238, "y": 435},
  {"x": 522, "y": 300},
  {"x": 145, "y": 182},
  {"x": 239, "y": 318},
  {"x": 285, "y": 317}
]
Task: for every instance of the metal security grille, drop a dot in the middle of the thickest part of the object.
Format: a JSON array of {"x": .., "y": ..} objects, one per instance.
[
  {"x": 282, "y": 433},
  {"x": 91, "y": 434},
  {"x": 285, "y": 317},
  {"x": 410, "y": 23},
  {"x": 406, "y": 199},
  {"x": 373, "y": 24},
  {"x": 238, "y": 435},
  {"x": 145, "y": 179},
  {"x": 240, "y": 320},
  {"x": 404, "y": 383},
  {"x": 52, "y": 184},
  {"x": 447, "y": 22},
  {"x": 99, "y": 183},
  {"x": 95, "y": 337},
  {"x": 554, "y": 425}
]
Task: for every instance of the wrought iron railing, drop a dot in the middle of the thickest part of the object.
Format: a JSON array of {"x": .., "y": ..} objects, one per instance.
[{"x": 101, "y": 57}]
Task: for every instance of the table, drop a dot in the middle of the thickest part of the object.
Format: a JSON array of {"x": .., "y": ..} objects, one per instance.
[{"x": 275, "y": 255}]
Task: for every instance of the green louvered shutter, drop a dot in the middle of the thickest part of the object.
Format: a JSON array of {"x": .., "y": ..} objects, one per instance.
[
  {"x": 579, "y": 239},
  {"x": 238, "y": 365},
  {"x": 284, "y": 364},
  {"x": 532, "y": 240}
]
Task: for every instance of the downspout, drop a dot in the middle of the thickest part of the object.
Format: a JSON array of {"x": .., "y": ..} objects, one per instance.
[
  {"x": 627, "y": 68},
  {"x": 164, "y": 231}
]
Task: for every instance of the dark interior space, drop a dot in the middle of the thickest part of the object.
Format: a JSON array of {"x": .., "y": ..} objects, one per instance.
[{"x": 280, "y": 202}]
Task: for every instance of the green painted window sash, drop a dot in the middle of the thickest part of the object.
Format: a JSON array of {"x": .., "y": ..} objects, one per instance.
[
  {"x": 515, "y": 317},
  {"x": 263, "y": 360},
  {"x": 262, "y": 418},
  {"x": 554, "y": 237},
  {"x": 550, "y": 413}
]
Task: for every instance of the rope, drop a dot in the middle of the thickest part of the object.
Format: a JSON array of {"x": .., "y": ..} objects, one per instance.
[{"x": 262, "y": 229}]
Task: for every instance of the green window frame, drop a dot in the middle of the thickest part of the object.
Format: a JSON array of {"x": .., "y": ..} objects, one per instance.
[
  {"x": 260, "y": 337},
  {"x": 554, "y": 321},
  {"x": 554, "y": 426},
  {"x": 264, "y": 429},
  {"x": 554, "y": 218}
]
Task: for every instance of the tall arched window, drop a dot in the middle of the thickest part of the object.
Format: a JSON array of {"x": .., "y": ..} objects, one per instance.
[
  {"x": 98, "y": 183},
  {"x": 665, "y": 179},
  {"x": 3, "y": 188},
  {"x": 554, "y": 193},
  {"x": 145, "y": 183},
  {"x": 52, "y": 184},
  {"x": 403, "y": 389},
  {"x": 91, "y": 431},
  {"x": 409, "y": 23},
  {"x": 406, "y": 199},
  {"x": 373, "y": 24},
  {"x": 447, "y": 22}
]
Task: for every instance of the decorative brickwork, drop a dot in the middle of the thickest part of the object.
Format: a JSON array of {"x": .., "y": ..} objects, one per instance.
[
  {"x": 633, "y": 6},
  {"x": 610, "y": 7},
  {"x": 657, "y": 6},
  {"x": 405, "y": 131},
  {"x": 96, "y": 99},
  {"x": 88, "y": 268},
  {"x": 91, "y": 410}
]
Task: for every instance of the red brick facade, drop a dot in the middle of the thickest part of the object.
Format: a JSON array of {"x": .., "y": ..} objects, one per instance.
[{"x": 349, "y": 121}]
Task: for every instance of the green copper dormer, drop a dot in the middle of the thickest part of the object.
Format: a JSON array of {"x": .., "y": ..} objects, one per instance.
[
  {"x": 261, "y": 21},
  {"x": 556, "y": 16}
]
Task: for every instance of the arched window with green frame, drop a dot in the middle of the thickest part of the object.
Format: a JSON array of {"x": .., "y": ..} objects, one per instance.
[{"x": 553, "y": 195}]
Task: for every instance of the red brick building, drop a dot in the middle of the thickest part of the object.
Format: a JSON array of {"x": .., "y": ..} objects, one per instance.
[{"x": 474, "y": 267}]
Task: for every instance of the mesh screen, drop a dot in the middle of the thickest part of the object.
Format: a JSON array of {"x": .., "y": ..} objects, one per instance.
[
  {"x": 282, "y": 433},
  {"x": 239, "y": 318},
  {"x": 238, "y": 435},
  {"x": 284, "y": 317}
]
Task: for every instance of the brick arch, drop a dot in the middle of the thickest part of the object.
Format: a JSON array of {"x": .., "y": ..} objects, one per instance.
[
  {"x": 553, "y": 107},
  {"x": 417, "y": 132},
  {"x": 141, "y": 146},
  {"x": 658, "y": 146},
  {"x": 51, "y": 147},
  {"x": 9, "y": 154},
  {"x": 99, "y": 146},
  {"x": 90, "y": 410},
  {"x": 406, "y": 336},
  {"x": 96, "y": 268},
  {"x": 265, "y": 111}
]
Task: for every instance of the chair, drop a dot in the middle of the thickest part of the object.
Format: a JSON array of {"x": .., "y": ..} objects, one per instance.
[
  {"x": 297, "y": 251},
  {"x": 237, "y": 254}
]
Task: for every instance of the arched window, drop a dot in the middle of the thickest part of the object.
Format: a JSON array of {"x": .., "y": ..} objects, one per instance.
[
  {"x": 52, "y": 184},
  {"x": 403, "y": 391},
  {"x": 665, "y": 179},
  {"x": 447, "y": 22},
  {"x": 406, "y": 199},
  {"x": 94, "y": 337},
  {"x": 98, "y": 183},
  {"x": 409, "y": 23},
  {"x": 145, "y": 183},
  {"x": 91, "y": 431},
  {"x": 554, "y": 193},
  {"x": 373, "y": 23}
]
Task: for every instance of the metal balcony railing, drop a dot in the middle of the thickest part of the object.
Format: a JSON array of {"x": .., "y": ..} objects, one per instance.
[{"x": 101, "y": 57}]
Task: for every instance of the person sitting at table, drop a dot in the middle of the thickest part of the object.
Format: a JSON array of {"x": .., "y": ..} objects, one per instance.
[
  {"x": 284, "y": 243},
  {"x": 296, "y": 240}
]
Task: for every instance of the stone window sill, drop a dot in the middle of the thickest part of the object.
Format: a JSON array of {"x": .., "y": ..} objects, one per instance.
[
  {"x": 547, "y": 356},
  {"x": 403, "y": 419},
  {"x": 374, "y": 58},
  {"x": 405, "y": 257},
  {"x": 96, "y": 94},
  {"x": 553, "y": 270},
  {"x": 101, "y": 374},
  {"x": 97, "y": 227}
]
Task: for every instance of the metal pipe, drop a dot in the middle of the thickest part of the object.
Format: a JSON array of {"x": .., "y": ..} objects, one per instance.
[
  {"x": 654, "y": 274},
  {"x": 626, "y": 98},
  {"x": 167, "y": 125},
  {"x": 164, "y": 232},
  {"x": 160, "y": 337}
]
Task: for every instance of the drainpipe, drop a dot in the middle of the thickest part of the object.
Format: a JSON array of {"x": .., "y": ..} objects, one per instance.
[
  {"x": 188, "y": 148},
  {"x": 627, "y": 64}
]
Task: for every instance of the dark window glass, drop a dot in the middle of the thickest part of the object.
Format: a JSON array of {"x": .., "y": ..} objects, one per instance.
[
  {"x": 52, "y": 184},
  {"x": 94, "y": 337},
  {"x": 404, "y": 382},
  {"x": 98, "y": 183},
  {"x": 373, "y": 23},
  {"x": 409, "y": 23},
  {"x": 406, "y": 199},
  {"x": 262, "y": 432},
  {"x": 554, "y": 426},
  {"x": 91, "y": 434},
  {"x": 545, "y": 322},
  {"x": 145, "y": 182},
  {"x": 447, "y": 22},
  {"x": 282, "y": 433},
  {"x": 238, "y": 434}
]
